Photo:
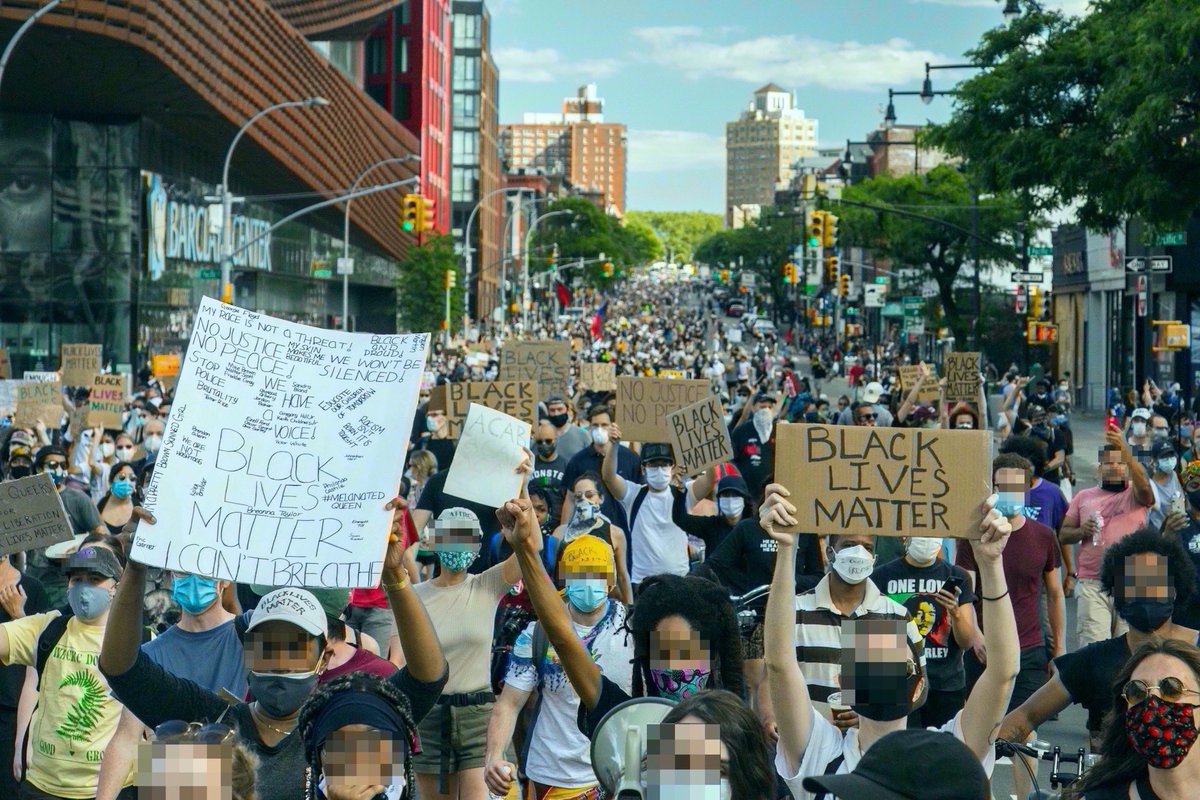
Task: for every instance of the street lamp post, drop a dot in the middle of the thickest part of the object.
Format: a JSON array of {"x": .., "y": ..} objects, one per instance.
[
  {"x": 525, "y": 256},
  {"x": 345, "y": 268},
  {"x": 227, "y": 197},
  {"x": 469, "y": 253},
  {"x": 25, "y": 26}
]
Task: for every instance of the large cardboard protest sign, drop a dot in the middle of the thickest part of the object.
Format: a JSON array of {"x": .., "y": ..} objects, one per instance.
[
  {"x": 516, "y": 398},
  {"x": 548, "y": 364},
  {"x": 31, "y": 515},
  {"x": 485, "y": 462},
  {"x": 885, "y": 481},
  {"x": 107, "y": 401},
  {"x": 962, "y": 377},
  {"x": 598, "y": 376},
  {"x": 700, "y": 436},
  {"x": 642, "y": 404},
  {"x": 283, "y": 446},
  {"x": 8, "y": 396},
  {"x": 39, "y": 400},
  {"x": 910, "y": 376},
  {"x": 79, "y": 363}
]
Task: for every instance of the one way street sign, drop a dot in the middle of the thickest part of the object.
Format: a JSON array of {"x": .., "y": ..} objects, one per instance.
[{"x": 1155, "y": 264}]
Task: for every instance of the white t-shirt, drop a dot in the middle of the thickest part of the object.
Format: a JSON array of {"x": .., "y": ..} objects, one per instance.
[
  {"x": 827, "y": 742},
  {"x": 656, "y": 543},
  {"x": 559, "y": 754}
]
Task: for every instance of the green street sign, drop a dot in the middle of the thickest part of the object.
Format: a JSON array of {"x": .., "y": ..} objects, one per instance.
[
  {"x": 208, "y": 274},
  {"x": 1035, "y": 250},
  {"x": 881, "y": 279},
  {"x": 322, "y": 273},
  {"x": 1170, "y": 238},
  {"x": 912, "y": 302}
]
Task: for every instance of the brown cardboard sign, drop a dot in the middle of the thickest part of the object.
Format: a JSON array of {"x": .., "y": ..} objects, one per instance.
[
  {"x": 962, "y": 377},
  {"x": 546, "y": 363},
  {"x": 642, "y": 404},
  {"x": 515, "y": 398},
  {"x": 598, "y": 376},
  {"x": 31, "y": 515},
  {"x": 910, "y": 374},
  {"x": 885, "y": 481},
  {"x": 700, "y": 436},
  {"x": 107, "y": 401},
  {"x": 79, "y": 363},
  {"x": 5, "y": 365},
  {"x": 39, "y": 400}
]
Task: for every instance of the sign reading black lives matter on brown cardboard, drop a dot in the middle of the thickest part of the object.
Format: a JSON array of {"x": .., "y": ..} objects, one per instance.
[
  {"x": 962, "y": 377},
  {"x": 642, "y": 405},
  {"x": 31, "y": 515},
  {"x": 80, "y": 363},
  {"x": 910, "y": 375},
  {"x": 516, "y": 398},
  {"x": 546, "y": 363},
  {"x": 700, "y": 436},
  {"x": 885, "y": 481},
  {"x": 599, "y": 376}
]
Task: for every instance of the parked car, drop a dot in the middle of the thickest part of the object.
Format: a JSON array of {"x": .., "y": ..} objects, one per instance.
[
  {"x": 735, "y": 308},
  {"x": 765, "y": 329}
]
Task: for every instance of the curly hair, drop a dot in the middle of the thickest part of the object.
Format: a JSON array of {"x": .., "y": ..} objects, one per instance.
[
  {"x": 751, "y": 774},
  {"x": 1031, "y": 449},
  {"x": 1180, "y": 569},
  {"x": 706, "y": 608},
  {"x": 354, "y": 682}
]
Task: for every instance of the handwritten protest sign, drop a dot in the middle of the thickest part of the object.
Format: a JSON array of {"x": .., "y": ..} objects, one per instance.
[
  {"x": 31, "y": 515},
  {"x": 962, "y": 377},
  {"x": 8, "y": 396},
  {"x": 489, "y": 450},
  {"x": 642, "y": 405},
  {"x": 910, "y": 375},
  {"x": 40, "y": 376},
  {"x": 283, "y": 446},
  {"x": 79, "y": 363},
  {"x": 39, "y": 400},
  {"x": 699, "y": 435},
  {"x": 885, "y": 481},
  {"x": 515, "y": 398},
  {"x": 546, "y": 363},
  {"x": 107, "y": 400},
  {"x": 598, "y": 376},
  {"x": 676, "y": 374}
]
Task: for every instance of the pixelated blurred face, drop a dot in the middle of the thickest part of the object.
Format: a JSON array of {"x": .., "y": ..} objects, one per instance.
[
  {"x": 874, "y": 654},
  {"x": 688, "y": 753},
  {"x": 357, "y": 755},
  {"x": 185, "y": 771},
  {"x": 280, "y": 647},
  {"x": 675, "y": 644},
  {"x": 1112, "y": 467},
  {"x": 1010, "y": 482},
  {"x": 1146, "y": 578},
  {"x": 451, "y": 536}
]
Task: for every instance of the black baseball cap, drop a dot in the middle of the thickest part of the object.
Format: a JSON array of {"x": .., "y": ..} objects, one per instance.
[
  {"x": 764, "y": 397},
  {"x": 897, "y": 768},
  {"x": 733, "y": 483},
  {"x": 657, "y": 451},
  {"x": 94, "y": 559}
]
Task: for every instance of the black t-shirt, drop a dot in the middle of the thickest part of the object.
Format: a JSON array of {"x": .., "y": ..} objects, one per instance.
[
  {"x": 1188, "y": 614},
  {"x": 628, "y": 467},
  {"x": 12, "y": 677},
  {"x": 549, "y": 475},
  {"x": 1054, "y": 441},
  {"x": 913, "y": 588},
  {"x": 442, "y": 449},
  {"x": 745, "y": 559},
  {"x": 611, "y": 696},
  {"x": 754, "y": 458},
  {"x": 1088, "y": 675},
  {"x": 435, "y": 501},
  {"x": 1121, "y": 791}
]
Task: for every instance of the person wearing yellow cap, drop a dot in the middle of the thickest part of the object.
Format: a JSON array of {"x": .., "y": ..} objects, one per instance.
[{"x": 558, "y": 763}]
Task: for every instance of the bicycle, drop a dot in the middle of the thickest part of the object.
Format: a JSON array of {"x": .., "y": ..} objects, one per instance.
[
  {"x": 750, "y": 608},
  {"x": 1044, "y": 751}
]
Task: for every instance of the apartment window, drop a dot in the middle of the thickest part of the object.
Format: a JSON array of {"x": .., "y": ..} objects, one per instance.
[
  {"x": 462, "y": 184},
  {"x": 379, "y": 93},
  {"x": 466, "y": 110},
  {"x": 376, "y": 56},
  {"x": 466, "y": 72},
  {"x": 401, "y": 55},
  {"x": 464, "y": 147},
  {"x": 402, "y": 109},
  {"x": 403, "y": 13},
  {"x": 467, "y": 30}
]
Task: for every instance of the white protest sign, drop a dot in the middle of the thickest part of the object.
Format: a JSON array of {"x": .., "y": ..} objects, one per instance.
[
  {"x": 283, "y": 446},
  {"x": 490, "y": 447}
]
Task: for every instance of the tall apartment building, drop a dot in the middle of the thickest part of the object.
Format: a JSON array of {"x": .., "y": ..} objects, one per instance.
[
  {"x": 575, "y": 145},
  {"x": 476, "y": 177},
  {"x": 406, "y": 69},
  {"x": 761, "y": 148}
]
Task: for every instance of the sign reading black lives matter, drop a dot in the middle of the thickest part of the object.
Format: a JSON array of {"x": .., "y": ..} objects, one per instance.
[
  {"x": 699, "y": 435},
  {"x": 885, "y": 481},
  {"x": 31, "y": 515},
  {"x": 962, "y": 377},
  {"x": 283, "y": 446}
]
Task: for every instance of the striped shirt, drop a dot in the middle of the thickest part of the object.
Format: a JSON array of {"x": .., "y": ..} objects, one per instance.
[{"x": 819, "y": 636}]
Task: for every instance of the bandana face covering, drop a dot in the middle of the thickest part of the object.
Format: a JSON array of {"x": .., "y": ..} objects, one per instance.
[
  {"x": 679, "y": 684},
  {"x": 1161, "y": 732}
]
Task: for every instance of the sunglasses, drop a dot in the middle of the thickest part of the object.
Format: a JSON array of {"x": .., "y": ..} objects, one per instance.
[
  {"x": 864, "y": 417},
  {"x": 176, "y": 730},
  {"x": 54, "y": 464},
  {"x": 1169, "y": 689},
  {"x": 543, "y": 441}
]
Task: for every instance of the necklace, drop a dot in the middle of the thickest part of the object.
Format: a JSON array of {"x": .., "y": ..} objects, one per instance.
[{"x": 263, "y": 721}]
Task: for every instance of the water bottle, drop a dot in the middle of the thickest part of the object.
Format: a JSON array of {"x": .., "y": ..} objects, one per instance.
[{"x": 1098, "y": 518}]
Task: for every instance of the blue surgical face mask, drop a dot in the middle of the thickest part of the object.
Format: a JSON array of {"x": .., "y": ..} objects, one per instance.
[
  {"x": 586, "y": 594},
  {"x": 457, "y": 560},
  {"x": 1166, "y": 464},
  {"x": 1010, "y": 504},
  {"x": 194, "y": 594},
  {"x": 122, "y": 488}
]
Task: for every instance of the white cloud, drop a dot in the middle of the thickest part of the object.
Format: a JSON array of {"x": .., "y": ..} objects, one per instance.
[
  {"x": 789, "y": 60},
  {"x": 546, "y": 64},
  {"x": 674, "y": 151}
]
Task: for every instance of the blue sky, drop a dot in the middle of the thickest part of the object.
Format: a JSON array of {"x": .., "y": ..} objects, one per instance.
[{"x": 675, "y": 72}]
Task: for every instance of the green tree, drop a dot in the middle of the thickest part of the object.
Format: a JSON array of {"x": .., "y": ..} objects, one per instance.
[
  {"x": 1102, "y": 110},
  {"x": 679, "y": 231},
  {"x": 420, "y": 296},
  {"x": 586, "y": 232},
  {"x": 762, "y": 247},
  {"x": 932, "y": 246}
]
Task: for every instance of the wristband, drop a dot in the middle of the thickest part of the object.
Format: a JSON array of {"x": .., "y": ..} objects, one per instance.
[
  {"x": 395, "y": 587},
  {"x": 998, "y": 597}
]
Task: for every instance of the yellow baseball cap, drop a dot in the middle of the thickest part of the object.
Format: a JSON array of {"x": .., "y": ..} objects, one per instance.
[{"x": 587, "y": 553}]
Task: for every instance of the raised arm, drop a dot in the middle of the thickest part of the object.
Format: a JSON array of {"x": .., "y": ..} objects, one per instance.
[
  {"x": 1047, "y": 701},
  {"x": 422, "y": 649},
  {"x": 788, "y": 690},
  {"x": 608, "y": 470},
  {"x": 123, "y": 631},
  {"x": 1139, "y": 478}
]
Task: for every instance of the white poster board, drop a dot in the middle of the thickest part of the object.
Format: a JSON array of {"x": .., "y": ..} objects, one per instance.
[
  {"x": 283, "y": 446},
  {"x": 490, "y": 447}
]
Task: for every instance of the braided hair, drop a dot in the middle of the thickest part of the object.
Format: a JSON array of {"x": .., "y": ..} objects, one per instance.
[
  {"x": 706, "y": 607},
  {"x": 354, "y": 682}
]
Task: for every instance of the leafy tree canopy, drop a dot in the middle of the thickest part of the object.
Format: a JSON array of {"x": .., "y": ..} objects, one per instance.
[
  {"x": 679, "y": 231},
  {"x": 420, "y": 296}
]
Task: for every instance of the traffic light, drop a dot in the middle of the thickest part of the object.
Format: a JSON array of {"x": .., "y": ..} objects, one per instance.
[
  {"x": 608, "y": 269},
  {"x": 829, "y": 235},
  {"x": 427, "y": 214},
  {"x": 1035, "y": 302},
  {"x": 1040, "y": 332},
  {"x": 844, "y": 287},
  {"x": 831, "y": 269},
  {"x": 449, "y": 279},
  {"x": 410, "y": 213},
  {"x": 724, "y": 276},
  {"x": 816, "y": 228}
]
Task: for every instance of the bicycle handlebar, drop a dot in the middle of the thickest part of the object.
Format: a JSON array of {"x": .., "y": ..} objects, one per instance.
[{"x": 749, "y": 597}]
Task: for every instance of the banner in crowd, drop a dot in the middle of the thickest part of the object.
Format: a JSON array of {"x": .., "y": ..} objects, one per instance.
[
  {"x": 79, "y": 363},
  {"x": 484, "y": 467},
  {"x": 546, "y": 363},
  {"x": 516, "y": 398},
  {"x": 700, "y": 436},
  {"x": 31, "y": 515},
  {"x": 962, "y": 377},
  {"x": 885, "y": 481},
  {"x": 107, "y": 400},
  {"x": 642, "y": 404},
  {"x": 283, "y": 446},
  {"x": 40, "y": 376},
  {"x": 39, "y": 401},
  {"x": 598, "y": 376},
  {"x": 8, "y": 395},
  {"x": 910, "y": 375}
]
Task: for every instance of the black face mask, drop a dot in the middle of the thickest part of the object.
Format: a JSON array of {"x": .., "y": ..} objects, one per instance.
[
  {"x": 885, "y": 695},
  {"x": 1113, "y": 486},
  {"x": 1145, "y": 615},
  {"x": 557, "y": 420},
  {"x": 19, "y": 471},
  {"x": 1194, "y": 498}
]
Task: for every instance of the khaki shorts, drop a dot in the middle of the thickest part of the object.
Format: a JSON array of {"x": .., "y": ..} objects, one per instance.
[
  {"x": 467, "y": 740},
  {"x": 1096, "y": 619}
]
